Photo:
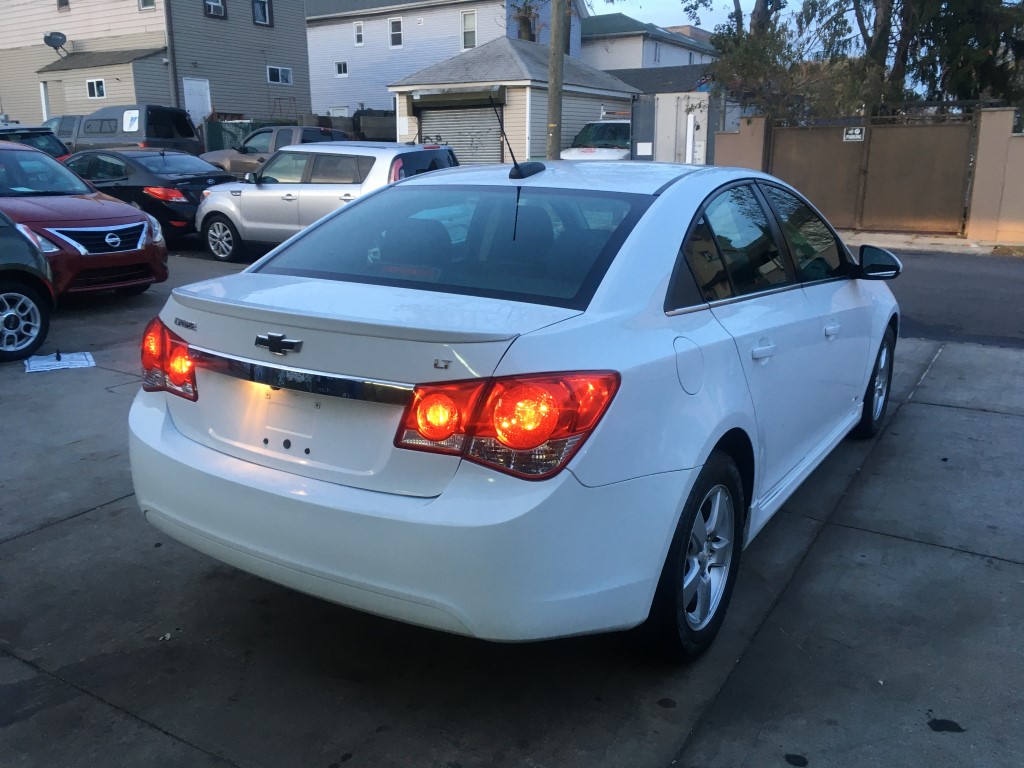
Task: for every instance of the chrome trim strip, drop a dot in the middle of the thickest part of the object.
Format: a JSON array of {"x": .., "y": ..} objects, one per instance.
[
  {"x": 303, "y": 380},
  {"x": 58, "y": 232}
]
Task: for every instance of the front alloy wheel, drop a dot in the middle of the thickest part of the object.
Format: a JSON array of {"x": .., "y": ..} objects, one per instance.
[{"x": 24, "y": 321}]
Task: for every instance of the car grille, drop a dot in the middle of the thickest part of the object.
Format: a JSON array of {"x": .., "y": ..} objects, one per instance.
[
  {"x": 128, "y": 237},
  {"x": 97, "y": 278}
]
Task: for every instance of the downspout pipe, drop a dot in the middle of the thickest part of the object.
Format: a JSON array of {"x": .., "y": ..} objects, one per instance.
[{"x": 172, "y": 68}]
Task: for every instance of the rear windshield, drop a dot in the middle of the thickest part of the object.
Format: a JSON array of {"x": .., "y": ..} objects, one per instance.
[
  {"x": 38, "y": 139},
  {"x": 172, "y": 164},
  {"x": 33, "y": 174},
  {"x": 610, "y": 135},
  {"x": 544, "y": 246}
]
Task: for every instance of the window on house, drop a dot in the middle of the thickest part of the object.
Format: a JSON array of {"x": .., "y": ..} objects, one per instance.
[
  {"x": 279, "y": 75},
  {"x": 657, "y": 52},
  {"x": 96, "y": 89},
  {"x": 63, "y": 5},
  {"x": 215, "y": 8},
  {"x": 395, "y": 26},
  {"x": 691, "y": 57},
  {"x": 468, "y": 29},
  {"x": 146, "y": 5},
  {"x": 262, "y": 13},
  {"x": 357, "y": 32},
  {"x": 341, "y": 69}
]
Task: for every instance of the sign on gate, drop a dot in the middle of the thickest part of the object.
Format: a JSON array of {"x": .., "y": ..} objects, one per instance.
[{"x": 853, "y": 134}]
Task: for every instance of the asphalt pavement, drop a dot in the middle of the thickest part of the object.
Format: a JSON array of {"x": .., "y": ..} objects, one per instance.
[{"x": 876, "y": 621}]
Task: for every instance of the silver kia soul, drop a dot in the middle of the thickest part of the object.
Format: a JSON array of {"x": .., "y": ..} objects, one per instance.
[{"x": 303, "y": 183}]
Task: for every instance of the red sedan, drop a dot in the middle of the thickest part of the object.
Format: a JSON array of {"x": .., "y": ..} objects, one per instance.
[{"x": 93, "y": 242}]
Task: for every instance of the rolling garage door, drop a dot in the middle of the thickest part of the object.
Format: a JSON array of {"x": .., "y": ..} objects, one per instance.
[{"x": 473, "y": 133}]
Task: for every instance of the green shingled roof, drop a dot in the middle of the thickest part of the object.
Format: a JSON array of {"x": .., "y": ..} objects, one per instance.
[{"x": 619, "y": 24}]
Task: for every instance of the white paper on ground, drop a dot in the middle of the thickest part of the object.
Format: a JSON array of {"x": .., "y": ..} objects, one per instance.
[{"x": 51, "y": 363}]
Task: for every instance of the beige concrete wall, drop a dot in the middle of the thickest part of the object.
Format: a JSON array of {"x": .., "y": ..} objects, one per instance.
[
  {"x": 743, "y": 149},
  {"x": 997, "y": 195}
]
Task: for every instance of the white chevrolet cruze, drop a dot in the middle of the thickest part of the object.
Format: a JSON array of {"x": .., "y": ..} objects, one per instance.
[{"x": 517, "y": 405}]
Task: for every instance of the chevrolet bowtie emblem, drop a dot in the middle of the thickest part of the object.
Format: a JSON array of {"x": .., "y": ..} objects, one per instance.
[{"x": 278, "y": 344}]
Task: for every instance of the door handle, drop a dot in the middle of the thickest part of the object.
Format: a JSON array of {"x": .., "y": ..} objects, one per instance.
[
  {"x": 289, "y": 197},
  {"x": 347, "y": 198},
  {"x": 832, "y": 330},
  {"x": 763, "y": 352}
]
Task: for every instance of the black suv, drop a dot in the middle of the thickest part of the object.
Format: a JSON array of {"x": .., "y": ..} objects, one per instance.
[
  {"x": 26, "y": 292},
  {"x": 37, "y": 137}
]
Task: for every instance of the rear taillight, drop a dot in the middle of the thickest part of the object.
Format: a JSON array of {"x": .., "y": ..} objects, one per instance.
[
  {"x": 167, "y": 365},
  {"x": 167, "y": 194},
  {"x": 396, "y": 170},
  {"x": 527, "y": 426}
]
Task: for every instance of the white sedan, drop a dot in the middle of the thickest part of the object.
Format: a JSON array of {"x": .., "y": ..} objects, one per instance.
[{"x": 517, "y": 405}]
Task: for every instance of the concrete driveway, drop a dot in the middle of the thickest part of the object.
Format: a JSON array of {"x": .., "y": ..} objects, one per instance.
[{"x": 877, "y": 621}]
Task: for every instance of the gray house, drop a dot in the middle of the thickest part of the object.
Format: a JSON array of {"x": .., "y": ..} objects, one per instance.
[
  {"x": 238, "y": 57},
  {"x": 358, "y": 47},
  {"x": 451, "y": 102}
]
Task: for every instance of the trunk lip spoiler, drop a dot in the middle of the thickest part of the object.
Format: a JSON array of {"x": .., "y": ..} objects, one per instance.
[{"x": 303, "y": 380}]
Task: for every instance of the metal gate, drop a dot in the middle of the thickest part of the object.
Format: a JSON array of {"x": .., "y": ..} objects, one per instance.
[
  {"x": 893, "y": 178},
  {"x": 473, "y": 132}
]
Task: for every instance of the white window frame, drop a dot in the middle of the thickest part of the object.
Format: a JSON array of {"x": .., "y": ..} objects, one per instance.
[
  {"x": 270, "y": 13},
  {"x": 344, "y": 64},
  {"x": 400, "y": 33},
  {"x": 280, "y": 72},
  {"x": 657, "y": 53},
  {"x": 357, "y": 33},
  {"x": 467, "y": 15},
  {"x": 147, "y": 5},
  {"x": 215, "y": 9},
  {"x": 93, "y": 92}
]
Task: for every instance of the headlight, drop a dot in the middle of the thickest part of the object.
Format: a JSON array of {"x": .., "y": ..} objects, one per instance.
[
  {"x": 158, "y": 232},
  {"x": 40, "y": 242}
]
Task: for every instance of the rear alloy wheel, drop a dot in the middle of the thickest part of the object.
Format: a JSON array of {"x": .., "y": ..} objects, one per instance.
[
  {"x": 24, "y": 321},
  {"x": 876, "y": 398},
  {"x": 222, "y": 240},
  {"x": 699, "y": 575}
]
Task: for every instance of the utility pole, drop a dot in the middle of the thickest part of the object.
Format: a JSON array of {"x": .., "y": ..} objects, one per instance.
[{"x": 556, "y": 48}]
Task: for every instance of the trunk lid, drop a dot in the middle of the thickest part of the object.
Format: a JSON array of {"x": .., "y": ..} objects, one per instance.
[
  {"x": 192, "y": 185},
  {"x": 329, "y": 407}
]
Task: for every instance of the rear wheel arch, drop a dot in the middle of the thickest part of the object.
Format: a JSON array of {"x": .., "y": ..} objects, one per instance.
[{"x": 737, "y": 445}]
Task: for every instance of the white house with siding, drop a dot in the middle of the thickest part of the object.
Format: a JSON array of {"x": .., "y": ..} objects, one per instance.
[
  {"x": 243, "y": 57},
  {"x": 454, "y": 101},
  {"x": 617, "y": 41},
  {"x": 358, "y": 47}
]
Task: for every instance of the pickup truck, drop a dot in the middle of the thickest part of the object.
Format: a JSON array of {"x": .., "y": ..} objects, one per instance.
[{"x": 262, "y": 143}]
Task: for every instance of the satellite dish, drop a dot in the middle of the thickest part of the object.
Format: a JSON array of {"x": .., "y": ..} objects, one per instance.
[{"x": 55, "y": 40}]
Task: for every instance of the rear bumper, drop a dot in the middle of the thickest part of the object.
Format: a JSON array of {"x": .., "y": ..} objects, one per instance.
[{"x": 493, "y": 556}]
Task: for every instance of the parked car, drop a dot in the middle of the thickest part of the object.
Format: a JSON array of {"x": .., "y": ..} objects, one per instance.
[
  {"x": 164, "y": 183},
  {"x": 600, "y": 140},
  {"x": 93, "y": 242},
  {"x": 255, "y": 148},
  {"x": 26, "y": 292},
  {"x": 300, "y": 184},
  {"x": 135, "y": 125},
  {"x": 63, "y": 126},
  {"x": 33, "y": 136},
  {"x": 517, "y": 408}
]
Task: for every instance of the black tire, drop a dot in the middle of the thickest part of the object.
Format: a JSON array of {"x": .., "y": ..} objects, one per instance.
[
  {"x": 24, "y": 320},
  {"x": 876, "y": 398},
  {"x": 221, "y": 238},
  {"x": 679, "y": 625}
]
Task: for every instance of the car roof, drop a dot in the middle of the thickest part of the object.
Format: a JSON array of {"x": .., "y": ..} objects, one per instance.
[
  {"x": 10, "y": 146},
  {"x": 11, "y": 128},
  {"x": 133, "y": 152},
  {"x": 375, "y": 148},
  {"x": 612, "y": 176}
]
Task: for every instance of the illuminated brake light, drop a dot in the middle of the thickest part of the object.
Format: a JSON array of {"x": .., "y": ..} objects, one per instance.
[
  {"x": 527, "y": 426},
  {"x": 167, "y": 365},
  {"x": 167, "y": 194}
]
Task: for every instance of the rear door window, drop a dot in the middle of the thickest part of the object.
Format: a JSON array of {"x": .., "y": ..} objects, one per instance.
[
  {"x": 339, "y": 169},
  {"x": 746, "y": 241},
  {"x": 284, "y": 138},
  {"x": 108, "y": 168}
]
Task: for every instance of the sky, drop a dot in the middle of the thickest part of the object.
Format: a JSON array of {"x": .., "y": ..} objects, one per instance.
[{"x": 664, "y": 13}]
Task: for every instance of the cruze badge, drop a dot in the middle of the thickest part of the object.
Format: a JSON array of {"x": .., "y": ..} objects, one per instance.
[{"x": 278, "y": 344}]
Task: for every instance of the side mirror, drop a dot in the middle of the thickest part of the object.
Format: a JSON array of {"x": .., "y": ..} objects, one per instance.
[
  {"x": 878, "y": 264},
  {"x": 250, "y": 178},
  {"x": 240, "y": 149}
]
